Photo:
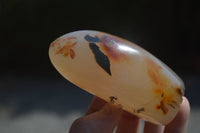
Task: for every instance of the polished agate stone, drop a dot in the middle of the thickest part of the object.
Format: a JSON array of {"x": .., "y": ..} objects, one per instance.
[{"x": 120, "y": 72}]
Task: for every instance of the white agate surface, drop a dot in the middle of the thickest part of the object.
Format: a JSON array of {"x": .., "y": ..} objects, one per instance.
[{"x": 119, "y": 72}]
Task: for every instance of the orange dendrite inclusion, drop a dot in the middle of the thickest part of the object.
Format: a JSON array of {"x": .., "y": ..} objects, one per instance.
[
  {"x": 67, "y": 48},
  {"x": 110, "y": 46},
  {"x": 160, "y": 86}
]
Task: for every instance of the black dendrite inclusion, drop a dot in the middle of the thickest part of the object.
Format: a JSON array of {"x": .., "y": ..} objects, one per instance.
[{"x": 101, "y": 59}]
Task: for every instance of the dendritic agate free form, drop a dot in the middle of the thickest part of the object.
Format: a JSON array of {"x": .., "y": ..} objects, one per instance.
[{"x": 119, "y": 72}]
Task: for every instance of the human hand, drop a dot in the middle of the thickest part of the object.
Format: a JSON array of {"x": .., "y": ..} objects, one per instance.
[{"x": 103, "y": 118}]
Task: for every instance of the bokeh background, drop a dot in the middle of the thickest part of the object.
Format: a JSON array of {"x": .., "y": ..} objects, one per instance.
[{"x": 34, "y": 97}]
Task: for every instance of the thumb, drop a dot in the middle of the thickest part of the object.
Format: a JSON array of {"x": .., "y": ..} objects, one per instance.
[{"x": 104, "y": 121}]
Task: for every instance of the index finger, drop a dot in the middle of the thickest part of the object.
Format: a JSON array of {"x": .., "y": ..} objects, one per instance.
[
  {"x": 179, "y": 124},
  {"x": 96, "y": 105}
]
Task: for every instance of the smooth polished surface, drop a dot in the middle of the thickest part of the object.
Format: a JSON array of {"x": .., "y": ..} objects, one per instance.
[{"x": 119, "y": 72}]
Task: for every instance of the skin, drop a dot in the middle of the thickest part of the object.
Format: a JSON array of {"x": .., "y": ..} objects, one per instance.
[{"x": 102, "y": 117}]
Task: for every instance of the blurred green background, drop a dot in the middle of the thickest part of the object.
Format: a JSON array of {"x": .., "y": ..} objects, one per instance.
[{"x": 28, "y": 82}]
